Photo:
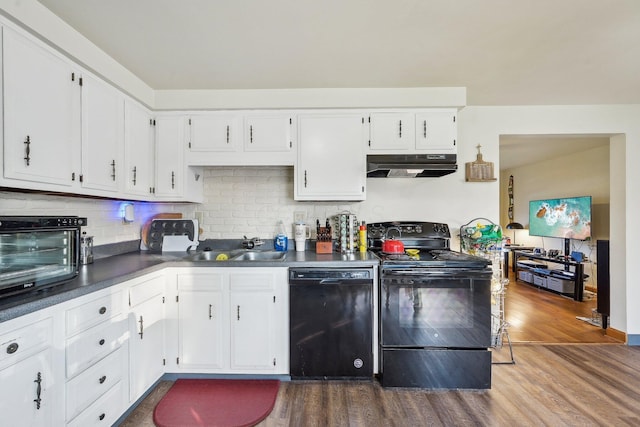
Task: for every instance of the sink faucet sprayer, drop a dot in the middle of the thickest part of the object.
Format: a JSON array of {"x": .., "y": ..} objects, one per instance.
[{"x": 251, "y": 243}]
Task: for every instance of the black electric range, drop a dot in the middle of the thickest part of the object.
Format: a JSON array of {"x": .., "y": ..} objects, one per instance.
[
  {"x": 430, "y": 239},
  {"x": 435, "y": 310}
]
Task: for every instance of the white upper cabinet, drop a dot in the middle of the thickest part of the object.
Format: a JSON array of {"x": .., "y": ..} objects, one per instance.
[
  {"x": 242, "y": 138},
  {"x": 214, "y": 132},
  {"x": 391, "y": 131},
  {"x": 102, "y": 135},
  {"x": 139, "y": 153},
  {"x": 268, "y": 132},
  {"x": 413, "y": 131},
  {"x": 170, "y": 145},
  {"x": 331, "y": 161},
  {"x": 436, "y": 131},
  {"x": 41, "y": 97}
]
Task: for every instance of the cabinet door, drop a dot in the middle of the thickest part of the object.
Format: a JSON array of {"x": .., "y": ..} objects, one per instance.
[
  {"x": 102, "y": 135},
  {"x": 25, "y": 391},
  {"x": 436, "y": 131},
  {"x": 391, "y": 131},
  {"x": 253, "y": 302},
  {"x": 214, "y": 132},
  {"x": 268, "y": 132},
  {"x": 202, "y": 338},
  {"x": 331, "y": 160},
  {"x": 170, "y": 144},
  {"x": 138, "y": 124},
  {"x": 202, "y": 320},
  {"x": 41, "y": 96},
  {"x": 146, "y": 344}
]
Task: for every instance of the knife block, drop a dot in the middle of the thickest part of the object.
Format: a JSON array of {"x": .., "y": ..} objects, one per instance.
[{"x": 324, "y": 247}]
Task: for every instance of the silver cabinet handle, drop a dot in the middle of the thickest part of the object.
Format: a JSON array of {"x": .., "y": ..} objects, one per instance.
[
  {"x": 400, "y": 129},
  {"x": 135, "y": 173},
  {"x": 141, "y": 333},
  {"x": 38, "y": 381},
  {"x": 238, "y": 312},
  {"x": 113, "y": 170},
  {"x": 210, "y": 311},
  {"x": 27, "y": 150}
]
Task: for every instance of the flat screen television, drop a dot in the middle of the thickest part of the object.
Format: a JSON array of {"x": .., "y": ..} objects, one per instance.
[{"x": 567, "y": 218}]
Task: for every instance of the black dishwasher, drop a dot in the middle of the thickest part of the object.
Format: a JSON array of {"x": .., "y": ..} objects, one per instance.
[{"x": 331, "y": 323}]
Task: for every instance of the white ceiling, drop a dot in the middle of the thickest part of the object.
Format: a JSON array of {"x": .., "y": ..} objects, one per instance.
[{"x": 505, "y": 52}]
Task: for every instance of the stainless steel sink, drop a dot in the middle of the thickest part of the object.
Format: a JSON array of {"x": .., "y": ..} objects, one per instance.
[
  {"x": 260, "y": 256},
  {"x": 210, "y": 256},
  {"x": 237, "y": 255}
]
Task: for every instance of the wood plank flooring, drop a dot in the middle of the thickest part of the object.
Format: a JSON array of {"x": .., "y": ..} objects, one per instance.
[{"x": 567, "y": 373}]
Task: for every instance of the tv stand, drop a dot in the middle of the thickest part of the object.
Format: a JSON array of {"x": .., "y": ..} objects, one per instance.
[{"x": 552, "y": 279}]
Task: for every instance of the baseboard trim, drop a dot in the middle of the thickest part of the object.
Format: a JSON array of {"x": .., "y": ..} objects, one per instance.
[{"x": 616, "y": 334}]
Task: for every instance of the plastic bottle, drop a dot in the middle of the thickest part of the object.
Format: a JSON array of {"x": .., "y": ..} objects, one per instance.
[
  {"x": 281, "y": 242},
  {"x": 362, "y": 234}
]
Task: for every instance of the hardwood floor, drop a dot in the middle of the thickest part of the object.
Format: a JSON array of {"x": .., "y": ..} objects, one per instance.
[
  {"x": 539, "y": 316},
  {"x": 567, "y": 373}
]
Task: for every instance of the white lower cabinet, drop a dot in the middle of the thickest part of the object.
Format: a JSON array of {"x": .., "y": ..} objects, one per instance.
[
  {"x": 254, "y": 321},
  {"x": 233, "y": 320},
  {"x": 25, "y": 391},
  {"x": 146, "y": 332},
  {"x": 90, "y": 385},
  {"x": 202, "y": 321},
  {"x": 104, "y": 411},
  {"x": 95, "y": 358}
]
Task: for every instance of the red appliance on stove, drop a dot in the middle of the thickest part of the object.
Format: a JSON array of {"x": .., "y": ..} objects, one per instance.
[{"x": 435, "y": 309}]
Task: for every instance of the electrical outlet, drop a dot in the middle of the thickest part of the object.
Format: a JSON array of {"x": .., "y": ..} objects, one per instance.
[{"x": 199, "y": 216}]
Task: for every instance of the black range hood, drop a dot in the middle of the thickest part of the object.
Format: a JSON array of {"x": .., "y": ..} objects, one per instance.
[{"x": 410, "y": 165}]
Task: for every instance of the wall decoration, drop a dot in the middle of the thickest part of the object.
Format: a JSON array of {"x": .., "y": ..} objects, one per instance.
[{"x": 479, "y": 171}]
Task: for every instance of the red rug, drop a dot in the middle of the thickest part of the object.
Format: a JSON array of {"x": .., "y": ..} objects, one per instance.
[{"x": 216, "y": 403}]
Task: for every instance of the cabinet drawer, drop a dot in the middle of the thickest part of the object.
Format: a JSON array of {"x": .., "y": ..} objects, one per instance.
[
  {"x": 94, "y": 382},
  {"x": 92, "y": 313},
  {"x": 561, "y": 285},
  {"x": 525, "y": 276},
  {"x": 540, "y": 281},
  {"x": 200, "y": 282},
  {"x": 14, "y": 344},
  {"x": 104, "y": 411},
  {"x": 90, "y": 346},
  {"x": 146, "y": 290}
]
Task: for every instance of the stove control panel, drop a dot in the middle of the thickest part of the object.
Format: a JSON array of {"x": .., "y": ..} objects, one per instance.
[{"x": 400, "y": 229}]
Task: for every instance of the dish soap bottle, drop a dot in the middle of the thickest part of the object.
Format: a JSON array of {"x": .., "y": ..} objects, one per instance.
[{"x": 281, "y": 241}]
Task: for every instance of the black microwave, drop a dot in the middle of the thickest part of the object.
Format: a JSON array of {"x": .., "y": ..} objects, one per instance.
[{"x": 38, "y": 252}]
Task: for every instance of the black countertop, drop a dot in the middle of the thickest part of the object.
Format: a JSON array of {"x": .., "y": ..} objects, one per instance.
[{"x": 109, "y": 271}]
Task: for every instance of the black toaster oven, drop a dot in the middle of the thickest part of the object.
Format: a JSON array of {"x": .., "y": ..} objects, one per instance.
[{"x": 38, "y": 252}]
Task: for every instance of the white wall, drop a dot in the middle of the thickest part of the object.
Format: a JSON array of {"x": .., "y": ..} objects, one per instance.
[
  {"x": 486, "y": 124},
  {"x": 251, "y": 200}
]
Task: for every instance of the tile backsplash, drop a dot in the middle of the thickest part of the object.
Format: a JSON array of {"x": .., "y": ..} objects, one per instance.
[
  {"x": 238, "y": 201},
  {"x": 250, "y": 201},
  {"x": 104, "y": 217}
]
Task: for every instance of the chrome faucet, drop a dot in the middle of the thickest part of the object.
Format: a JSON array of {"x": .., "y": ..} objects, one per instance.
[{"x": 251, "y": 243}]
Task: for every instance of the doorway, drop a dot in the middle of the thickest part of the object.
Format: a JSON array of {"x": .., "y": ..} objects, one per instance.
[{"x": 545, "y": 166}]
